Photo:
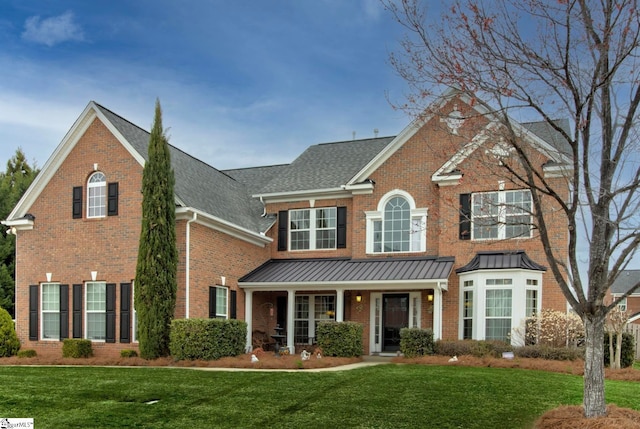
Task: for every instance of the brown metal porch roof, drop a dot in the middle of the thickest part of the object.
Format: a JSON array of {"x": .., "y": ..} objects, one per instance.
[
  {"x": 501, "y": 260},
  {"x": 350, "y": 270}
]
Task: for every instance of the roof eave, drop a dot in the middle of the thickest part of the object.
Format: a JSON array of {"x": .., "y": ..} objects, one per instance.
[{"x": 312, "y": 194}]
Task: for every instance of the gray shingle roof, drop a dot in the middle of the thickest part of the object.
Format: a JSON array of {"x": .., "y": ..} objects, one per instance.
[
  {"x": 350, "y": 270},
  {"x": 501, "y": 261},
  {"x": 198, "y": 185},
  {"x": 326, "y": 166},
  {"x": 549, "y": 134},
  {"x": 256, "y": 177},
  {"x": 625, "y": 281}
]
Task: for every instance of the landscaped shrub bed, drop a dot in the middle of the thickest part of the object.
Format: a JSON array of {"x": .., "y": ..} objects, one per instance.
[
  {"x": 550, "y": 353},
  {"x": 471, "y": 348},
  {"x": 207, "y": 339},
  {"x": 76, "y": 348}
]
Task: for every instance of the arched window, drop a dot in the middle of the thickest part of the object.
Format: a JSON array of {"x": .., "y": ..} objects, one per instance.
[
  {"x": 397, "y": 226},
  {"x": 97, "y": 195}
]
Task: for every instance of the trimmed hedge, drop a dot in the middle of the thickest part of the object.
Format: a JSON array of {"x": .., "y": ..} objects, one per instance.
[
  {"x": 549, "y": 353},
  {"x": 207, "y": 339},
  {"x": 628, "y": 353},
  {"x": 9, "y": 342},
  {"x": 477, "y": 348},
  {"x": 128, "y": 353},
  {"x": 416, "y": 342},
  {"x": 76, "y": 348},
  {"x": 340, "y": 339},
  {"x": 27, "y": 353}
]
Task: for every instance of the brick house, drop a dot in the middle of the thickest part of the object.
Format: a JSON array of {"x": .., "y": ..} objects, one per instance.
[
  {"x": 388, "y": 232},
  {"x": 631, "y": 304}
]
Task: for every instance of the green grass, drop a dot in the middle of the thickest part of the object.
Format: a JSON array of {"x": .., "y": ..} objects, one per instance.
[{"x": 398, "y": 396}]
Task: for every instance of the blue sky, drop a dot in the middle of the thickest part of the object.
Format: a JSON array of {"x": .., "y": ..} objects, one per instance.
[{"x": 241, "y": 83}]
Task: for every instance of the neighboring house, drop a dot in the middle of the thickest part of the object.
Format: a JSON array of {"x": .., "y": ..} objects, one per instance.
[
  {"x": 388, "y": 232},
  {"x": 631, "y": 304}
]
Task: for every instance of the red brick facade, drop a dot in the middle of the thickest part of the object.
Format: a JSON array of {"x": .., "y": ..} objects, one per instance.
[{"x": 71, "y": 249}]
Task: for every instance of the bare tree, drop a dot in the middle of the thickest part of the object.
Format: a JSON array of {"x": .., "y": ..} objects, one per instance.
[{"x": 541, "y": 60}]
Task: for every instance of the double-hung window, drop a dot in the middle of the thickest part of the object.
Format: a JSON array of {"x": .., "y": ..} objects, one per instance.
[
  {"x": 221, "y": 302},
  {"x": 96, "y": 311},
  {"x": 501, "y": 215},
  {"x": 312, "y": 229},
  {"x": 50, "y": 311},
  {"x": 498, "y": 309}
]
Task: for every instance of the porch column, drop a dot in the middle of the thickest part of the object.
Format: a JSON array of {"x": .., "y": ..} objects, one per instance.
[
  {"x": 291, "y": 307},
  {"x": 248, "y": 317},
  {"x": 437, "y": 313},
  {"x": 339, "y": 305}
]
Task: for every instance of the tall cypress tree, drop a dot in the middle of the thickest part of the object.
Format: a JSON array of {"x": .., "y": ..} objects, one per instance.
[{"x": 155, "y": 286}]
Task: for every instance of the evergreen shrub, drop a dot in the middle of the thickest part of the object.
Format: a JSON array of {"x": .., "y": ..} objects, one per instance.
[
  {"x": 416, "y": 342},
  {"x": 207, "y": 339},
  {"x": 340, "y": 339}
]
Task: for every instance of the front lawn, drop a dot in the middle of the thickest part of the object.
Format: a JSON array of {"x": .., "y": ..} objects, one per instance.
[{"x": 383, "y": 396}]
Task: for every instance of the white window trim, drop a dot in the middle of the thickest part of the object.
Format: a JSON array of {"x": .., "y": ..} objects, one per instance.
[
  {"x": 312, "y": 319},
  {"x": 502, "y": 216},
  {"x": 418, "y": 218},
  {"x": 518, "y": 299},
  {"x": 224, "y": 315},
  {"x": 87, "y": 311},
  {"x": 313, "y": 229},
  {"x": 92, "y": 185},
  {"x": 43, "y": 311}
]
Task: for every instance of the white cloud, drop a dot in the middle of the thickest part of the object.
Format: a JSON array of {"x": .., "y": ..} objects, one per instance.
[{"x": 54, "y": 30}]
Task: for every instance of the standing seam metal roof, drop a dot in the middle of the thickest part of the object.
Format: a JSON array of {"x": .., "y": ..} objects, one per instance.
[{"x": 504, "y": 260}]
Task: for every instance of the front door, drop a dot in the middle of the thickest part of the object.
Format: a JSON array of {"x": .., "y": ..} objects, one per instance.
[{"x": 395, "y": 316}]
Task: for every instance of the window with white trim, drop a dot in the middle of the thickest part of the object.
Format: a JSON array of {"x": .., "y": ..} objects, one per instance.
[
  {"x": 310, "y": 311},
  {"x": 397, "y": 225},
  {"x": 622, "y": 305},
  {"x": 501, "y": 215},
  {"x": 50, "y": 305},
  {"x": 495, "y": 307},
  {"x": 312, "y": 229},
  {"x": 97, "y": 195},
  {"x": 222, "y": 294},
  {"x": 96, "y": 311}
]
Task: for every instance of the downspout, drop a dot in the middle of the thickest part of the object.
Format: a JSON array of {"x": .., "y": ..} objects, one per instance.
[{"x": 187, "y": 266}]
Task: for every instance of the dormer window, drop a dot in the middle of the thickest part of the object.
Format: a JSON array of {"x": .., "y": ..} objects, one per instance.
[{"x": 97, "y": 195}]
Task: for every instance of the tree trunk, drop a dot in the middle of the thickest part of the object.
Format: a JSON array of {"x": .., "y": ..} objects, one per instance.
[
  {"x": 611, "y": 351},
  {"x": 618, "y": 349},
  {"x": 594, "y": 403}
]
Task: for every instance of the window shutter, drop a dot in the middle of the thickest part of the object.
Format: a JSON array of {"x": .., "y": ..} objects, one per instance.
[
  {"x": 77, "y": 311},
  {"x": 64, "y": 312},
  {"x": 465, "y": 216},
  {"x": 111, "y": 313},
  {"x": 112, "y": 199},
  {"x": 232, "y": 304},
  {"x": 77, "y": 202},
  {"x": 212, "y": 302},
  {"x": 125, "y": 312},
  {"x": 341, "y": 240},
  {"x": 33, "y": 312},
  {"x": 283, "y": 228}
]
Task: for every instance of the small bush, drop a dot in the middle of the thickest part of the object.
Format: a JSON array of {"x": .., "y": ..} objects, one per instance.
[
  {"x": 627, "y": 355},
  {"x": 416, "y": 342},
  {"x": 27, "y": 353},
  {"x": 207, "y": 339},
  {"x": 76, "y": 348},
  {"x": 549, "y": 353},
  {"x": 477, "y": 348},
  {"x": 128, "y": 353},
  {"x": 453, "y": 347},
  {"x": 9, "y": 342},
  {"x": 340, "y": 339}
]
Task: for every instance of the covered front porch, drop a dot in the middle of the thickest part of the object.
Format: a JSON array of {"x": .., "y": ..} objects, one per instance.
[{"x": 383, "y": 295}]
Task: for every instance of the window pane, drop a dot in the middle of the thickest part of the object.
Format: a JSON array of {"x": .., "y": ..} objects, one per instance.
[
  {"x": 498, "y": 314},
  {"x": 97, "y": 195},
  {"x": 299, "y": 240},
  {"x": 397, "y": 225},
  {"x": 96, "y": 316},
  {"x": 50, "y": 297},
  {"x": 498, "y": 330},
  {"x": 96, "y": 326},
  {"x": 532, "y": 302},
  {"x": 221, "y": 302},
  {"x": 377, "y": 236},
  {"x": 51, "y": 325}
]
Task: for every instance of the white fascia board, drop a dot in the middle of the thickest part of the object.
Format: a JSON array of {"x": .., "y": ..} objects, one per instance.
[
  {"x": 555, "y": 171},
  {"x": 18, "y": 225},
  {"x": 360, "y": 188},
  {"x": 314, "y": 194},
  {"x": 215, "y": 223},
  {"x": 359, "y": 285},
  {"x": 52, "y": 164}
]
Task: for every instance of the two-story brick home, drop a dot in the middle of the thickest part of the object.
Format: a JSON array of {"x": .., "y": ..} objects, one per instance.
[{"x": 392, "y": 232}]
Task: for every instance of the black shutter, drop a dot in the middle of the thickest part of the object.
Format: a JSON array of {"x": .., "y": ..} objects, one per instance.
[
  {"x": 77, "y": 311},
  {"x": 112, "y": 199},
  {"x": 233, "y": 314},
  {"x": 111, "y": 313},
  {"x": 33, "y": 312},
  {"x": 283, "y": 228},
  {"x": 125, "y": 312},
  {"x": 341, "y": 233},
  {"x": 64, "y": 312},
  {"x": 212, "y": 302},
  {"x": 77, "y": 202},
  {"x": 465, "y": 216}
]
